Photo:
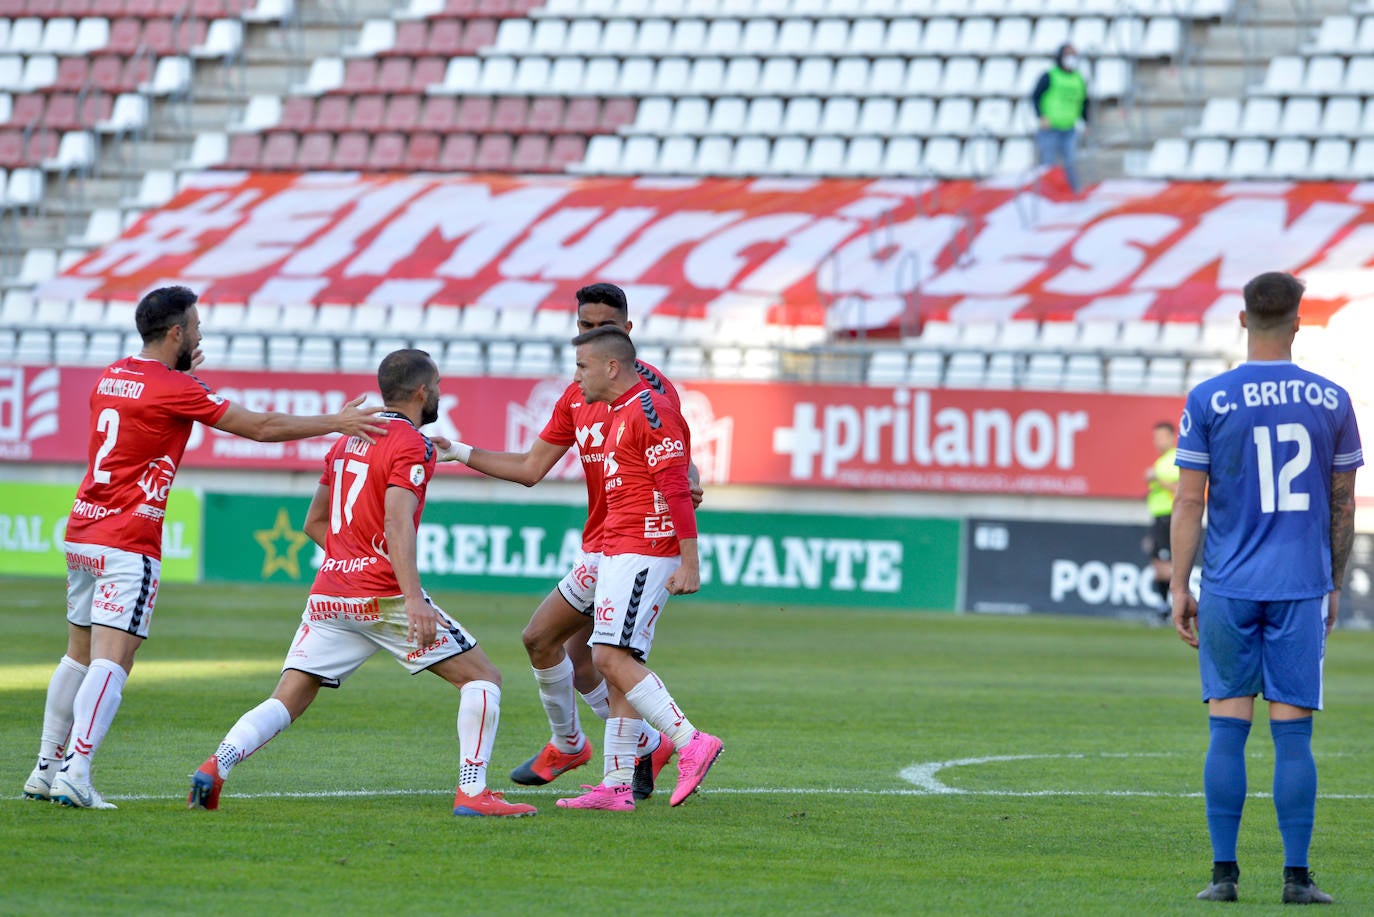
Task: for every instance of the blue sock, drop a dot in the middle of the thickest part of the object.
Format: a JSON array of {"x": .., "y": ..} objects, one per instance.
[
  {"x": 1223, "y": 781},
  {"x": 1295, "y": 786}
]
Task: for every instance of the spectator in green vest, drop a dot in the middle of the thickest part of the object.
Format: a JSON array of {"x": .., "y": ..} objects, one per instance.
[{"x": 1061, "y": 102}]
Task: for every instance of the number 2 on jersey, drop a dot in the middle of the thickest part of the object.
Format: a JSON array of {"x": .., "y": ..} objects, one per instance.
[
  {"x": 1279, "y": 495},
  {"x": 338, "y": 514},
  {"x": 107, "y": 423}
]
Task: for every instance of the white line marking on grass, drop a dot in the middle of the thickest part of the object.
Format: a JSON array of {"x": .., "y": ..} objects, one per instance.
[{"x": 925, "y": 777}]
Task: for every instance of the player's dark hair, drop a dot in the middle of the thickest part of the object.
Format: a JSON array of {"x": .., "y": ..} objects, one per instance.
[
  {"x": 161, "y": 310},
  {"x": 402, "y": 372},
  {"x": 608, "y": 294},
  {"x": 1271, "y": 300},
  {"x": 609, "y": 341},
  {"x": 1164, "y": 425}
]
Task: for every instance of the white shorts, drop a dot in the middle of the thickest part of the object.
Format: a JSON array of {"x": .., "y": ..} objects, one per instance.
[
  {"x": 111, "y": 587},
  {"x": 579, "y": 586},
  {"x": 631, "y": 591},
  {"x": 337, "y": 635}
]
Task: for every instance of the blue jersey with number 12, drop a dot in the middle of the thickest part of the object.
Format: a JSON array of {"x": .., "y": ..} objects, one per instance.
[{"x": 1269, "y": 435}]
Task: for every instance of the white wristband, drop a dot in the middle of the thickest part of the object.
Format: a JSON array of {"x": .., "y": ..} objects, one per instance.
[{"x": 458, "y": 452}]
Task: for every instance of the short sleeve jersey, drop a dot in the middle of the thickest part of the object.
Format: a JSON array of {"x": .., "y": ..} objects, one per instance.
[
  {"x": 575, "y": 422},
  {"x": 142, "y": 414},
  {"x": 358, "y": 475},
  {"x": 648, "y": 438},
  {"x": 1270, "y": 435}
]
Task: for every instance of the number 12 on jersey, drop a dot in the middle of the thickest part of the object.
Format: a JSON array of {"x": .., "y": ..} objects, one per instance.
[{"x": 1277, "y": 494}]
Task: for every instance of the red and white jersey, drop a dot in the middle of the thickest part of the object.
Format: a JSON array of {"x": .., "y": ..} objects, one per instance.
[
  {"x": 142, "y": 413},
  {"x": 644, "y": 476},
  {"x": 358, "y": 474},
  {"x": 575, "y": 422}
]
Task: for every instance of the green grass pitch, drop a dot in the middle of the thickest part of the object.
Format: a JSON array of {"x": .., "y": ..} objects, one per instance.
[{"x": 1075, "y": 785}]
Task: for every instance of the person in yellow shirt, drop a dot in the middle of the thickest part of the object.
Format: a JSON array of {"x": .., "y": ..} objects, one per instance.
[{"x": 1161, "y": 479}]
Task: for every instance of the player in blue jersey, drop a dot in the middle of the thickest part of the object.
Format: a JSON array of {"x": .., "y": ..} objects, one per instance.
[{"x": 1271, "y": 450}]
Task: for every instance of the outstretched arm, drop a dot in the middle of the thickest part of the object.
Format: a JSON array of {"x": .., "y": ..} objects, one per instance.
[
  {"x": 272, "y": 427},
  {"x": 528, "y": 467}
]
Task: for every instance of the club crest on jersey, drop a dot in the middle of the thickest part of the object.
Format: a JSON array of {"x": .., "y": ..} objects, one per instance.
[
  {"x": 156, "y": 480},
  {"x": 417, "y": 474}
]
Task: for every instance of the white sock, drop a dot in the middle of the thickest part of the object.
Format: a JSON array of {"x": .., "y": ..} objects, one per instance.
[
  {"x": 254, "y": 729},
  {"x": 93, "y": 710},
  {"x": 57, "y": 711},
  {"x": 656, "y": 705},
  {"x": 479, "y": 710},
  {"x": 560, "y": 705},
  {"x": 622, "y": 740},
  {"x": 599, "y": 699},
  {"x": 649, "y": 738}
]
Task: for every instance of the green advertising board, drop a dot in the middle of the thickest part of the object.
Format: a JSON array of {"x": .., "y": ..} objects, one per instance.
[
  {"x": 33, "y": 520},
  {"x": 524, "y": 548}
]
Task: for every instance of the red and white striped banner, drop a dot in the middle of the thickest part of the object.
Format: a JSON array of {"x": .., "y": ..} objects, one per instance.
[{"x": 847, "y": 253}]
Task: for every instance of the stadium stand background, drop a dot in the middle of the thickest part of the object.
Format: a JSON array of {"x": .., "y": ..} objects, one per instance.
[{"x": 108, "y": 104}]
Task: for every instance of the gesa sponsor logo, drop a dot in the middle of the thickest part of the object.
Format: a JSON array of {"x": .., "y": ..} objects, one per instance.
[{"x": 669, "y": 448}]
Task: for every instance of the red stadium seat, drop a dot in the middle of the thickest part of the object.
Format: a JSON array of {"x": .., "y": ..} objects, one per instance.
[
  {"x": 422, "y": 152},
  {"x": 583, "y": 116},
  {"x": 388, "y": 153},
  {"x": 461, "y": 8},
  {"x": 402, "y": 114},
  {"x": 316, "y": 152},
  {"x": 110, "y": 9},
  {"x": 545, "y": 115},
  {"x": 140, "y": 9},
  {"x": 531, "y": 154},
  {"x": 41, "y": 8},
  {"x": 71, "y": 74},
  {"x": 617, "y": 113},
  {"x": 137, "y": 71},
  {"x": 11, "y": 149},
  {"x": 393, "y": 76},
  {"x": 332, "y": 114},
  {"x": 76, "y": 9},
  {"x": 350, "y": 152},
  {"x": 412, "y": 37},
  {"x": 107, "y": 73},
  {"x": 279, "y": 152},
  {"x": 360, "y": 75},
  {"x": 494, "y": 153},
  {"x": 170, "y": 8},
  {"x": 474, "y": 114},
  {"x": 446, "y": 38},
  {"x": 566, "y": 150},
  {"x": 479, "y": 34},
  {"x": 245, "y": 151},
  {"x": 28, "y": 109},
  {"x": 367, "y": 113},
  {"x": 499, "y": 9},
  {"x": 61, "y": 113},
  {"x": 428, "y": 71},
  {"x": 508, "y": 116},
  {"x": 440, "y": 113},
  {"x": 458, "y": 153},
  {"x": 157, "y": 34},
  {"x": 125, "y": 35},
  {"x": 297, "y": 114}
]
